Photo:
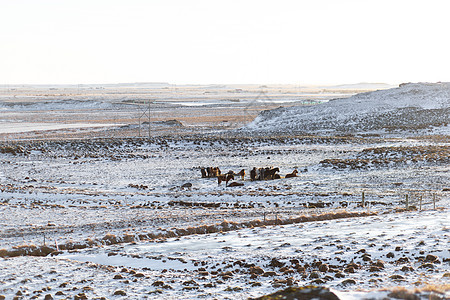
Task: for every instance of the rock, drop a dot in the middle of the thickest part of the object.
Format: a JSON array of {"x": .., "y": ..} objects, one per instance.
[
  {"x": 402, "y": 260},
  {"x": 80, "y": 296},
  {"x": 118, "y": 276},
  {"x": 256, "y": 270},
  {"x": 390, "y": 255},
  {"x": 119, "y": 293},
  {"x": 276, "y": 263},
  {"x": 426, "y": 266},
  {"x": 366, "y": 257},
  {"x": 269, "y": 274},
  {"x": 407, "y": 269},
  {"x": 398, "y": 248},
  {"x": 288, "y": 272},
  {"x": 323, "y": 268},
  {"x": 48, "y": 297},
  {"x": 431, "y": 258},
  {"x": 397, "y": 277},
  {"x": 339, "y": 275},
  {"x": 187, "y": 185},
  {"x": 58, "y": 293},
  {"x": 348, "y": 282},
  {"x": 314, "y": 275},
  {"x": 379, "y": 263},
  {"x": 349, "y": 270},
  {"x": 190, "y": 282},
  {"x": 158, "y": 283},
  {"x": 318, "y": 281},
  {"x": 374, "y": 269},
  {"x": 304, "y": 293}
]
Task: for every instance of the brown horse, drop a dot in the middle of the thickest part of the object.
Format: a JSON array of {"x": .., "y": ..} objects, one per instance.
[
  {"x": 293, "y": 174},
  {"x": 270, "y": 174},
  {"x": 213, "y": 172},
  {"x": 224, "y": 177},
  {"x": 241, "y": 173},
  {"x": 253, "y": 174}
]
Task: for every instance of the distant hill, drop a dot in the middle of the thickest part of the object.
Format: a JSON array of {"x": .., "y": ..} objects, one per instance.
[{"x": 412, "y": 108}]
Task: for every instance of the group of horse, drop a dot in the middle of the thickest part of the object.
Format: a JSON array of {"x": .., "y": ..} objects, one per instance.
[{"x": 268, "y": 173}]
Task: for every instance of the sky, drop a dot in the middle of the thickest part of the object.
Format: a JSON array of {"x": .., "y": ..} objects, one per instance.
[{"x": 216, "y": 41}]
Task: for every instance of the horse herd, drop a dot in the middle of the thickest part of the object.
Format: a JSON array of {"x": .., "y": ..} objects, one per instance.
[{"x": 267, "y": 173}]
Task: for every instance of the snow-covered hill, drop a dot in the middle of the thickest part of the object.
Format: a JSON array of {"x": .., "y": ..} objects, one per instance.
[{"x": 412, "y": 108}]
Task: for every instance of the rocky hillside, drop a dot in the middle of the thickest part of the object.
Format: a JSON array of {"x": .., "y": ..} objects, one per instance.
[{"x": 412, "y": 108}]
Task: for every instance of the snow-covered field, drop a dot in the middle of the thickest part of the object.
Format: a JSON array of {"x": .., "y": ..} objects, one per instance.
[{"x": 133, "y": 218}]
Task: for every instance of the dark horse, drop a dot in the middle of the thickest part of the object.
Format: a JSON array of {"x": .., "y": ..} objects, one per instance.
[{"x": 270, "y": 173}]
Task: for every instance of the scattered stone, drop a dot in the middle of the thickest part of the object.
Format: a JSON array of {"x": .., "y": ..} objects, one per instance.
[
  {"x": 339, "y": 275},
  {"x": 118, "y": 276},
  {"x": 379, "y": 263},
  {"x": 431, "y": 258},
  {"x": 256, "y": 270},
  {"x": 119, "y": 293},
  {"x": 402, "y": 260},
  {"x": 48, "y": 297},
  {"x": 323, "y": 268},
  {"x": 158, "y": 283},
  {"x": 276, "y": 263},
  {"x": 304, "y": 293},
  {"x": 397, "y": 277},
  {"x": 190, "y": 282},
  {"x": 349, "y": 270},
  {"x": 374, "y": 269},
  {"x": 366, "y": 257},
  {"x": 426, "y": 266},
  {"x": 314, "y": 275},
  {"x": 81, "y": 296},
  {"x": 390, "y": 255},
  {"x": 233, "y": 289},
  {"x": 348, "y": 282}
]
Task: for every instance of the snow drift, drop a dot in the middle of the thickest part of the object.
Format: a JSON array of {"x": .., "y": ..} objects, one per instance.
[{"x": 421, "y": 108}]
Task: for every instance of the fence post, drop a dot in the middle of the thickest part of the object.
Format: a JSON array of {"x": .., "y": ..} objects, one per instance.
[
  {"x": 264, "y": 216},
  {"x": 407, "y": 204},
  {"x": 420, "y": 203},
  {"x": 434, "y": 201},
  {"x": 363, "y": 200},
  {"x": 276, "y": 219}
]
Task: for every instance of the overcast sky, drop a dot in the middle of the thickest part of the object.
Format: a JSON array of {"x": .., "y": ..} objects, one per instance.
[{"x": 183, "y": 41}]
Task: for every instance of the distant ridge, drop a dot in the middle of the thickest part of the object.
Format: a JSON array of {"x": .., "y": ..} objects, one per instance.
[{"x": 411, "y": 108}]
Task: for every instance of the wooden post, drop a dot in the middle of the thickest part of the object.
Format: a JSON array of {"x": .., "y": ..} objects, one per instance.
[
  {"x": 363, "y": 200},
  {"x": 434, "y": 201},
  {"x": 44, "y": 239},
  {"x": 407, "y": 204},
  {"x": 264, "y": 216},
  {"x": 276, "y": 218},
  {"x": 420, "y": 203}
]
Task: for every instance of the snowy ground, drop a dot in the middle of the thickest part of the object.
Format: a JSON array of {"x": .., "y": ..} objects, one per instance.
[{"x": 118, "y": 205}]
